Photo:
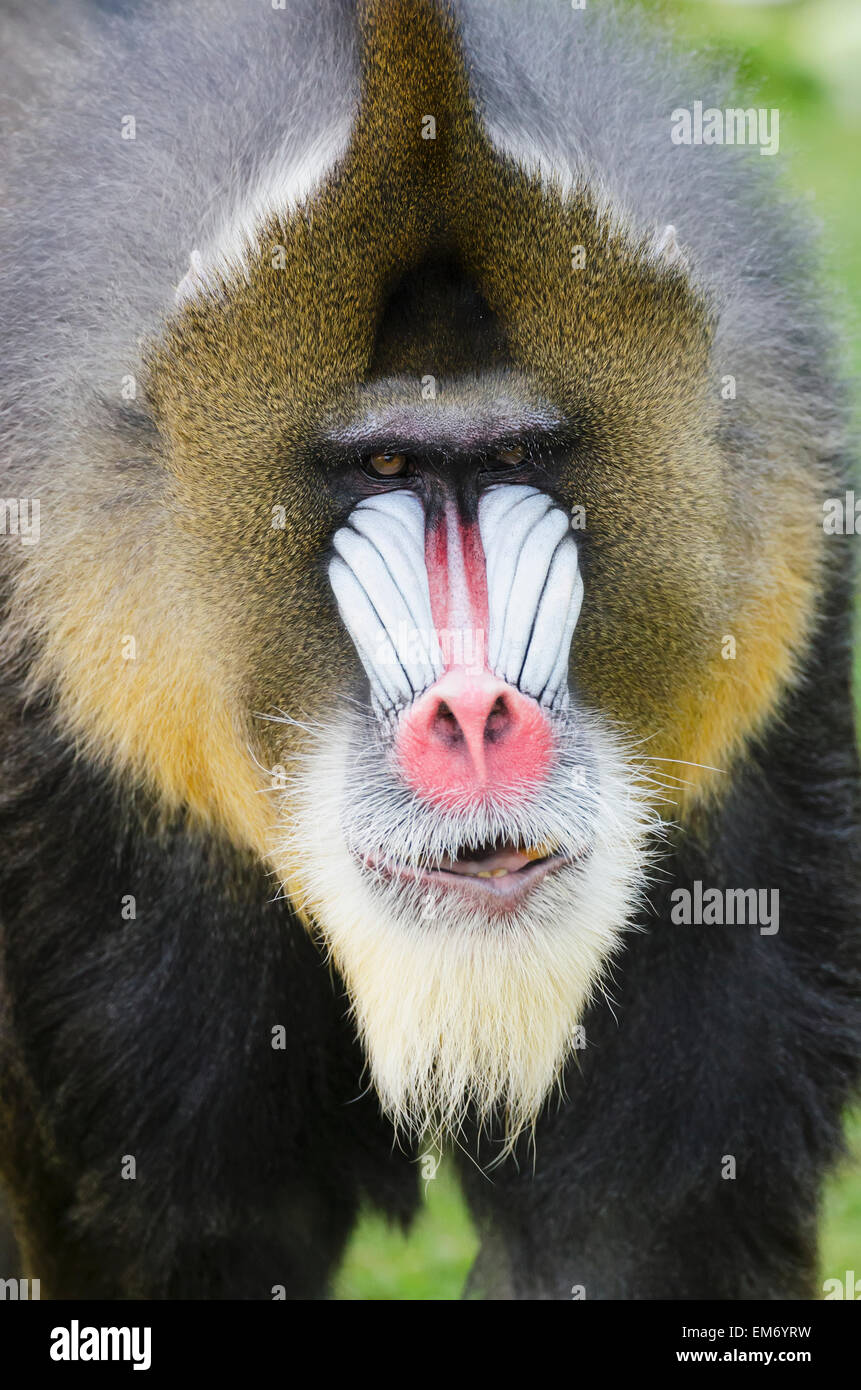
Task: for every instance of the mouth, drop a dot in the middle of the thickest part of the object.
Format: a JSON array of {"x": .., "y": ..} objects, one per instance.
[{"x": 500, "y": 872}]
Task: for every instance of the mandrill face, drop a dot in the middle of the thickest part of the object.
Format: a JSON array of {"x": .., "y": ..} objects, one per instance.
[
  {"x": 468, "y": 833},
  {"x": 431, "y": 540}
]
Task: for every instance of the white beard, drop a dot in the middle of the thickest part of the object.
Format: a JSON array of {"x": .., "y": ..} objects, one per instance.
[{"x": 458, "y": 1012}]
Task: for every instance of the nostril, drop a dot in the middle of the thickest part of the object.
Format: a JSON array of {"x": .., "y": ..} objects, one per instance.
[
  {"x": 498, "y": 721},
  {"x": 470, "y": 735},
  {"x": 446, "y": 724}
]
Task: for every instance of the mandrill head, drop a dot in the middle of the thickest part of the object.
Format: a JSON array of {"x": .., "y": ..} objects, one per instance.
[
  {"x": 466, "y": 831},
  {"x": 431, "y": 534}
]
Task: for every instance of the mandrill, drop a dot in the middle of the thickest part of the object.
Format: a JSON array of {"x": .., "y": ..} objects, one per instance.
[{"x": 426, "y": 682}]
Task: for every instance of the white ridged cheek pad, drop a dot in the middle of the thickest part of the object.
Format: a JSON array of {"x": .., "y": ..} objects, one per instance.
[
  {"x": 534, "y": 590},
  {"x": 534, "y": 587},
  {"x": 379, "y": 577}
]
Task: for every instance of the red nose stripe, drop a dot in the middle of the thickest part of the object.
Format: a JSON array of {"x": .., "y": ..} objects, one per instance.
[
  {"x": 471, "y": 735},
  {"x": 457, "y": 579}
]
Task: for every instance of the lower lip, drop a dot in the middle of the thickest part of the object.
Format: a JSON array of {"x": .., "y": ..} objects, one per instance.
[{"x": 492, "y": 892}]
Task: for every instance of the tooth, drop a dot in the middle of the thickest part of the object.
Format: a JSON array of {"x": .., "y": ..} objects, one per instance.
[
  {"x": 498, "y": 873},
  {"x": 485, "y": 873}
]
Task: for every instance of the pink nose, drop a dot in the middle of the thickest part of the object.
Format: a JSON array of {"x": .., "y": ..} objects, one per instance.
[{"x": 472, "y": 736}]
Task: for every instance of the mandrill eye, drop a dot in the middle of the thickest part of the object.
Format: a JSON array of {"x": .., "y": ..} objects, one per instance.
[
  {"x": 511, "y": 457},
  {"x": 387, "y": 465}
]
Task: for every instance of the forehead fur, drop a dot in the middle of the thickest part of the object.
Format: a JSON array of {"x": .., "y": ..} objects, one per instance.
[{"x": 299, "y": 317}]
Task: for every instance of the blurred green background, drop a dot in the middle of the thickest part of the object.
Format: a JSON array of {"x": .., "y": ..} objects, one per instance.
[{"x": 804, "y": 57}]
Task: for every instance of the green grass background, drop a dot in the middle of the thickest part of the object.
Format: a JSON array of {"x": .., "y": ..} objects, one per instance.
[{"x": 805, "y": 59}]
